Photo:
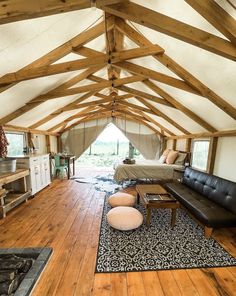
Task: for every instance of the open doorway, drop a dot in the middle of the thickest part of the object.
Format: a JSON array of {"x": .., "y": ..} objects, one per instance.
[{"x": 110, "y": 147}]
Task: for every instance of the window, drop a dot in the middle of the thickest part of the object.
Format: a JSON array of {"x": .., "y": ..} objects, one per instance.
[
  {"x": 200, "y": 152},
  {"x": 16, "y": 143}
]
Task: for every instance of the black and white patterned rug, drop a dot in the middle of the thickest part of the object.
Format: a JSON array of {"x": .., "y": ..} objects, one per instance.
[{"x": 158, "y": 247}]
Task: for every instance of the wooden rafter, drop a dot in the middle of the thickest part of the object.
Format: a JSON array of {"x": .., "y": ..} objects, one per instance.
[
  {"x": 133, "y": 118},
  {"x": 89, "y": 118},
  {"x": 84, "y": 113},
  {"x": 35, "y": 102},
  {"x": 217, "y": 16},
  {"x": 179, "y": 106},
  {"x": 141, "y": 94},
  {"x": 137, "y": 107},
  {"x": 48, "y": 70},
  {"x": 148, "y": 73},
  {"x": 10, "y": 127},
  {"x": 59, "y": 68},
  {"x": 164, "y": 116},
  {"x": 151, "y": 120},
  {"x": 60, "y": 51},
  {"x": 139, "y": 116},
  {"x": 157, "y": 124},
  {"x": 133, "y": 92},
  {"x": 112, "y": 44},
  {"x": 180, "y": 71},
  {"x": 118, "y": 97},
  {"x": 228, "y": 133},
  {"x": 61, "y": 110},
  {"x": 174, "y": 28},
  {"x": 93, "y": 103},
  {"x": 12, "y": 11},
  {"x": 86, "y": 88},
  {"x": 129, "y": 111}
]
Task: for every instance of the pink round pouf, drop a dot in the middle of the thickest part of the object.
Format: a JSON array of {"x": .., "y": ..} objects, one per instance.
[
  {"x": 124, "y": 218},
  {"x": 121, "y": 199}
]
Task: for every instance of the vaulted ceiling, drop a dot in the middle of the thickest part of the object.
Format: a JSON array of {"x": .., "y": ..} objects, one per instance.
[{"x": 167, "y": 64}]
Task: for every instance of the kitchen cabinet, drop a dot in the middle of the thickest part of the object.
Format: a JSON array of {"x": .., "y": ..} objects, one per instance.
[{"x": 39, "y": 167}]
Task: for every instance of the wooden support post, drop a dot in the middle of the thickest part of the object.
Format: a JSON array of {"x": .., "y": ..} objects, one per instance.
[
  {"x": 59, "y": 144},
  {"x": 162, "y": 144},
  {"x": 212, "y": 155},
  {"x": 188, "y": 145},
  {"x": 48, "y": 144},
  {"x": 29, "y": 140},
  {"x": 174, "y": 144}
]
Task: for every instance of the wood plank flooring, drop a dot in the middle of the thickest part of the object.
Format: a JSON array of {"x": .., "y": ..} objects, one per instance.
[{"x": 66, "y": 216}]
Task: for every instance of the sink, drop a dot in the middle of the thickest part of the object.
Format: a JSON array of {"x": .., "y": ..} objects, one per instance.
[{"x": 7, "y": 165}]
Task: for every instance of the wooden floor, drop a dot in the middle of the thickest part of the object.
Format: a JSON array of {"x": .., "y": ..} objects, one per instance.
[{"x": 66, "y": 216}]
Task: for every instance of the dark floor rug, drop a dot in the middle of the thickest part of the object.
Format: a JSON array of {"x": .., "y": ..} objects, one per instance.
[{"x": 158, "y": 247}]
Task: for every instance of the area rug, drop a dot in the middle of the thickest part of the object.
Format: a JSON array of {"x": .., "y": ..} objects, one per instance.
[
  {"x": 104, "y": 182},
  {"x": 158, "y": 247}
]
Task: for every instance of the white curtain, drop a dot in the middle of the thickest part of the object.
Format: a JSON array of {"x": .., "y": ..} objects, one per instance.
[
  {"x": 142, "y": 137},
  {"x": 78, "y": 139}
]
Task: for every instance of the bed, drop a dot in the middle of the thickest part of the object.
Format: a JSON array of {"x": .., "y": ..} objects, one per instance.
[{"x": 146, "y": 169}]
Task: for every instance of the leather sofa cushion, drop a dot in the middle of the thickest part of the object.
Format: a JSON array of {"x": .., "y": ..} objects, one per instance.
[
  {"x": 205, "y": 210},
  {"x": 219, "y": 190}
]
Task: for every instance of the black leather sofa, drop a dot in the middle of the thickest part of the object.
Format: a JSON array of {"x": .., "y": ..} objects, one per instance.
[{"x": 210, "y": 199}]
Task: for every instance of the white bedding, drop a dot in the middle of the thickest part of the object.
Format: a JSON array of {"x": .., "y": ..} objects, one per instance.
[{"x": 145, "y": 169}]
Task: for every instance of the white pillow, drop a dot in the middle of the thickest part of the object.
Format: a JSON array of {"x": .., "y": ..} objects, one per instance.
[{"x": 162, "y": 159}]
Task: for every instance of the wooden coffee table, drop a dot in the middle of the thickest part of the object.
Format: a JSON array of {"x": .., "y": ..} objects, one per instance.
[{"x": 157, "y": 189}]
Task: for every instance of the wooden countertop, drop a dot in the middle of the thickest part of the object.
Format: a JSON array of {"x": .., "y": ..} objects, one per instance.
[{"x": 10, "y": 177}]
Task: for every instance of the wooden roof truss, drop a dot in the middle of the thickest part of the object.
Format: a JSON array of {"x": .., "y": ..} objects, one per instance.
[{"x": 93, "y": 103}]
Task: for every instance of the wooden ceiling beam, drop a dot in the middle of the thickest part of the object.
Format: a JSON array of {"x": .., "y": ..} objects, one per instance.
[
  {"x": 133, "y": 118},
  {"x": 84, "y": 113},
  {"x": 94, "y": 103},
  {"x": 64, "y": 122},
  {"x": 85, "y": 88},
  {"x": 132, "y": 112},
  {"x": 137, "y": 107},
  {"x": 216, "y": 16},
  {"x": 13, "y": 11},
  {"x": 14, "y": 128},
  {"x": 100, "y": 60},
  {"x": 164, "y": 116},
  {"x": 48, "y": 70},
  {"x": 73, "y": 91},
  {"x": 172, "y": 27},
  {"x": 118, "y": 97},
  {"x": 135, "y": 53},
  {"x": 88, "y": 118},
  {"x": 61, "y": 110},
  {"x": 151, "y": 74},
  {"x": 129, "y": 111},
  {"x": 33, "y": 103},
  {"x": 150, "y": 119},
  {"x": 179, "y": 106},
  {"x": 157, "y": 124},
  {"x": 60, "y": 51},
  {"x": 141, "y": 94},
  {"x": 228, "y": 133},
  {"x": 111, "y": 43},
  {"x": 164, "y": 59}
]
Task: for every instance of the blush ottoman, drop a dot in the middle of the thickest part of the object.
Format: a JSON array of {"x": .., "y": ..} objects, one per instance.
[
  {"x": 121, "y": 199},
  {"x": 124, "y": 218}
]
